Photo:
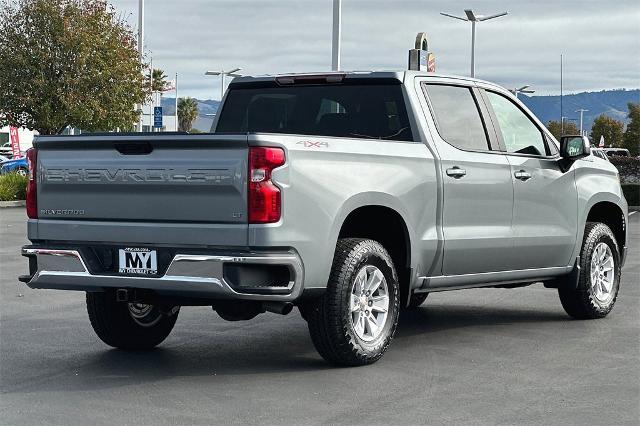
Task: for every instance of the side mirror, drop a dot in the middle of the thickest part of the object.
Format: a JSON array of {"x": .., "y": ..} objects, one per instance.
[{"x": 574, "y": 147}]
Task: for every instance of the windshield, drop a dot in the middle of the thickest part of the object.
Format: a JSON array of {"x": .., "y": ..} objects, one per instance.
[{"x": 374, "y": 111}]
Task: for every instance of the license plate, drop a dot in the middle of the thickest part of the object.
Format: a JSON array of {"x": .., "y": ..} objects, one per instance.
[{"x": 138, "y": 261}]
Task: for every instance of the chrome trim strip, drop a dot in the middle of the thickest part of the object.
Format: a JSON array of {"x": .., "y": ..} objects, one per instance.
[
  {"x": 491, "y": 278},
  {"x": 197, "y": 275}
]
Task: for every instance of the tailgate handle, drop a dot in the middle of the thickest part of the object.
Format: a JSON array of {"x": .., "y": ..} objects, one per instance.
[{"x": 134, "y": 148}]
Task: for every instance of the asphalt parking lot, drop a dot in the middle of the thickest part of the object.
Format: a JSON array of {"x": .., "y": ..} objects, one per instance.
[{"x": 486, "y": 356}]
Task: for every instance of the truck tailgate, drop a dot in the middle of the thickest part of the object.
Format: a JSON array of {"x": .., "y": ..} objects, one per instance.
[{"x": 177, "y": 179}]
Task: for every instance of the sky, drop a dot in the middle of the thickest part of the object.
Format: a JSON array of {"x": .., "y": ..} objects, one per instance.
[{"x": 599, "y": 40}]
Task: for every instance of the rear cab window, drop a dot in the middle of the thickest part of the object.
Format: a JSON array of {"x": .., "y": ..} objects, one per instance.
[{"x": 371, "y": 110}]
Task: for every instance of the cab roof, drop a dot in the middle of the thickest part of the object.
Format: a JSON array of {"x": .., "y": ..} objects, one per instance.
[{"x": 334, "y": 76}]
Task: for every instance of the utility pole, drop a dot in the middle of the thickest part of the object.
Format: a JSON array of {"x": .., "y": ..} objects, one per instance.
[
  {"x": 337, "y": 29},
  {"x": 581, "y": 111},
  {"x": 473, "y": 18},
  {"x": 140, "y": 50}
]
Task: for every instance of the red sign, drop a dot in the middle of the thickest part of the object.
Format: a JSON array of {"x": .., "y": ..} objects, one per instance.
[
  {"x": 15, "y": 142},
  {"x": 431, "y": 63}
]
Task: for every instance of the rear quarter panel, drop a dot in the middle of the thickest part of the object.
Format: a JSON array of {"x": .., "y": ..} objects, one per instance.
[{"x": 327, "y": 178}]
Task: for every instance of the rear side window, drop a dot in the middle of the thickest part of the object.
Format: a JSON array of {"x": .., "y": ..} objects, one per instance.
[
  {"x": 457, "y": 117},
  {"x": 372, "y": 111}
]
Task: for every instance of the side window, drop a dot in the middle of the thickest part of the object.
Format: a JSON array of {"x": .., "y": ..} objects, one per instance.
[
  {"x": 519, "y": 133},
  {"x": 457, "y": 116}
]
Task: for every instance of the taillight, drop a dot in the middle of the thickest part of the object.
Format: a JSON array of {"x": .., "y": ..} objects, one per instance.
[
  {"x": 264, "y": 202},
  {"x": 32, "y": 184}
]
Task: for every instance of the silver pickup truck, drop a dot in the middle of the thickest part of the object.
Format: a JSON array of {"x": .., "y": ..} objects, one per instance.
[{"x": 349, "y": 195}]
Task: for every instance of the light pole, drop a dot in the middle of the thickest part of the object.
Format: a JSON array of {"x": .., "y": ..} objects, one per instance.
[
  {"x": 523, "y": 89},
  {"x": 222, "y": 74},
  {"x": 581, "y": 111},
  {"x": 562, "y": 120},
  {"x": 176, "y": 105},
  {"x": 337, "y": 29},
  {"x": 473, "y": 18},
  {"x": 140, "y": 48}
]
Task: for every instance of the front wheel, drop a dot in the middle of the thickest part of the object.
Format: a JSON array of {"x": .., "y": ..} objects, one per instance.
[
  {"x": 599, "y": 278},
  {"x": 354, "y": 322},
  {"x": 129, "y": 325}
]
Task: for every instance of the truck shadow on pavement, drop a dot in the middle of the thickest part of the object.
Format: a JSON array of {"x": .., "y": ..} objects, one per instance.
[
  {"x": 431, "y": 319},
  {"x": 219, "y": 354}
]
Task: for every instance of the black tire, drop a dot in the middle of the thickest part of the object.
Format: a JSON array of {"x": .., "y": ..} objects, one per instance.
[
  {"x": 581, "y": 302},
  {"x": 330, "y": 318},
  {"x": 416, "y": 300},
  {"x": 115, "y": 325}
]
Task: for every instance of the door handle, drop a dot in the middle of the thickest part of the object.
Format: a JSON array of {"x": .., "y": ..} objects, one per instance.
[
  {"x": 456, "y": 172},
  {"x": 522, "y": 175}
]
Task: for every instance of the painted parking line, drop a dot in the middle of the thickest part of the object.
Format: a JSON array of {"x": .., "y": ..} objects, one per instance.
[{"x": 632, "y": 213}]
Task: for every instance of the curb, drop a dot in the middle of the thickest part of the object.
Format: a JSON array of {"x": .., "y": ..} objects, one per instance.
[{"x": 17, "y": 203}]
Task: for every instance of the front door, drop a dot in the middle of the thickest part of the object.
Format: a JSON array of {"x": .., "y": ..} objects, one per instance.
[
  {"x": 545, "y": 196},
  {"x": 478, "y": 189}
]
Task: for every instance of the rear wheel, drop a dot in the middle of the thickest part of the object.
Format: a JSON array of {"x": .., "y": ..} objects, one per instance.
[
  {"x": 353, "y": 323},
  {"x": 129, "y": 325},
  {"x": 599, "y": 278}
]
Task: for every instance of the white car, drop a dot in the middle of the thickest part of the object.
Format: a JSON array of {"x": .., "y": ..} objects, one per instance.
[
  {"x": 620, "y": 152},
  {"x": 600, "y": 153}
]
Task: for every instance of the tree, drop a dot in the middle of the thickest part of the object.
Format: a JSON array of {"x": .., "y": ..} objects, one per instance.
[
  {"x": 159, "y": 80},
  {"x": 555, "y": 127},
  {"x": 187, "y": 113},
  {"x": 67, "y": 63},
  {"x": 610, "y": 128},
  {"x": 632, "y": 134}
]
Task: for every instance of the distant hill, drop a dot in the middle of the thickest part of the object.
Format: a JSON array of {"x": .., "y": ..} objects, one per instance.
[{"x": 610, "y": 102}]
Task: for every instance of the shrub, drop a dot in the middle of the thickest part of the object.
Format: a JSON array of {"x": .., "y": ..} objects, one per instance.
[
  {"x": 13, "y": 187},
  {"x": 629, "y": 168},
  {"x": 632, "y": 193}
]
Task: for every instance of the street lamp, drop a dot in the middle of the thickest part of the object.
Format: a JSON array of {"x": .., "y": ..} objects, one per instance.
[
  {"x": 581, "y": 111},
  {"x": 140, "y": 50},
  {"x": 523, "y": 89},
  {"x": 222, "y": 74},
  {"x": 337, "y": 29},
  {"x": 473, "y": 18}
]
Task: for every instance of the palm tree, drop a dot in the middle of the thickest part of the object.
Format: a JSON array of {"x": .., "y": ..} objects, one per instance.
[
  {"x": 159, "y": 83},
  {"x": 187, "y": 113}
]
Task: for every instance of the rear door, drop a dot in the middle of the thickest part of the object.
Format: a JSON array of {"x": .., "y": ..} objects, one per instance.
[
  {"x": 478, "y": 190},
  {"x": 545, "y": 196}
]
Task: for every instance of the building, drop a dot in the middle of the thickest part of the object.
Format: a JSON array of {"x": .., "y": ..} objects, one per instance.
[{"x": 25, "y": 137}]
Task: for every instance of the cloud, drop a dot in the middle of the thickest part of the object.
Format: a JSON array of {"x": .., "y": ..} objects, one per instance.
[{"x": 600, "y": 41}]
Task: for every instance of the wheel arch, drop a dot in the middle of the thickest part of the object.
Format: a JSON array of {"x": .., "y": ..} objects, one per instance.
[
  {"x": 388, "y": 226},
  {"x": 611, "y": 215},
  {"x": 608, "y": 208}
]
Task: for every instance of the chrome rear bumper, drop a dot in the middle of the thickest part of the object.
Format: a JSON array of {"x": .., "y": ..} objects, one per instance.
[{"x": 188, "y": 275}]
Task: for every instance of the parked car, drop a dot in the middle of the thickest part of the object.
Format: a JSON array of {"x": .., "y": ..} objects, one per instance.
[
  {"x": 600, "y": 153},
  {"x": 620, "y": 152},
  {"x": 3, "y": 159},
  {"x": 349, "y": 195},
  {"x": 19, "y": 166}
]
